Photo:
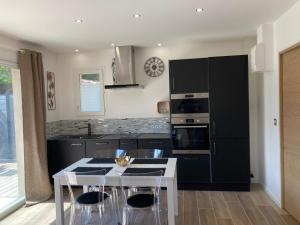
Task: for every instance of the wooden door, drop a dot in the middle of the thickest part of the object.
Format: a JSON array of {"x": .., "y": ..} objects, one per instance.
[{"x": 290, "y": 113}]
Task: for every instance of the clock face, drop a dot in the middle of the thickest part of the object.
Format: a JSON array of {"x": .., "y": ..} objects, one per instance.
[{"x": 154, "y": 67}]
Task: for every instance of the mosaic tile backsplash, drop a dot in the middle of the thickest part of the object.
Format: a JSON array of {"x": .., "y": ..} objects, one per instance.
[{"x": 109, "y": 126}]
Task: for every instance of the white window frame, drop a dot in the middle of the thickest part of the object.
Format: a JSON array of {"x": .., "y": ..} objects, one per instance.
[{"x": 77, "y": 92}]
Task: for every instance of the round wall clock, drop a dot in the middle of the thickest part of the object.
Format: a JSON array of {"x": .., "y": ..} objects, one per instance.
[{"x": 154, "y": 67}]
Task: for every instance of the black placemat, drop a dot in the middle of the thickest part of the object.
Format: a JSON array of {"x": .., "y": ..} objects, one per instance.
[
  {"x": 150, "y": 161},
  {"x": 142, "y": 171},
  {"x": 90, "y": 169},
  {"x": 101, "y": 160}
]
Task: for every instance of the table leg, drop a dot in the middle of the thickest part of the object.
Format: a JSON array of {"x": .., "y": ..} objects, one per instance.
[
  {"x": 175, "y": 195},
  {"x": 59, "y": 202},
  {"x": 171, "y": 202}
]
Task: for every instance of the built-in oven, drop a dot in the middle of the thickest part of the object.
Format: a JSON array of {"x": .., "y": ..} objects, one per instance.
[
  {"x": 192, "y": 104},
  {"x": 190, "y": 135}
]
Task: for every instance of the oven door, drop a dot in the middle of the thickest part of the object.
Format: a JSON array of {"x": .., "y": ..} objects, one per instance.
[
  {"x": 191, "y": 139},
  {"x": 196, "y": 104}
]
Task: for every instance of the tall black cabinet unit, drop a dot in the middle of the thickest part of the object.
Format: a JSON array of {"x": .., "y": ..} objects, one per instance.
[
  {"x": 229, "y": 119},
  {"x": 188, "y": 76}
]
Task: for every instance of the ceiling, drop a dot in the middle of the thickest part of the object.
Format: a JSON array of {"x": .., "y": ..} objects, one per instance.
[{"x": 51, "y": 23}]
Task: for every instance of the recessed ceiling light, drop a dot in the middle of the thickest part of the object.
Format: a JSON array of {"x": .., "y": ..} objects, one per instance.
[
  {"x": 78, "y": 20},
  {"x": 198, "y": 10},
  {"x": 159, "y": 44},
  {"x": 76, "y": 50},
  {"x": 137, "y": 16}
]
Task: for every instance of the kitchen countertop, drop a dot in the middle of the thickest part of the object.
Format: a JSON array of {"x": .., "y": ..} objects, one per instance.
[
  {"x": 113, "y": 136},
  {"x": 154, "y": 136}
]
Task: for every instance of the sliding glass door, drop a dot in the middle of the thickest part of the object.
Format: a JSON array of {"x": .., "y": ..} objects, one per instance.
[{"x": 11, "y": 187}]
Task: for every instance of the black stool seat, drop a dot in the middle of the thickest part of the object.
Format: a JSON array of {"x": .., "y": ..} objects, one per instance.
[
  {"x": 91, "y": 197},
  {"x": 141, "y": 200}
]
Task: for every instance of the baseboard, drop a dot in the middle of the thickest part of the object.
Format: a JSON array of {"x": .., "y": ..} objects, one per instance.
[
  {"x": 271, "y": 195},
  {"x": 254, "y": 180}
]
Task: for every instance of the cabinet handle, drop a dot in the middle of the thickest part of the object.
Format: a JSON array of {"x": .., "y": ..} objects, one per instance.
[
  {"x": 76, "y": 144},
  {"x": 173, "y": 80},
  {"x": 201, "y": 126},
  {"x": 102, "y": 143},
  {"x": 215, "y": 149},
  {"x": 155, "y": 142}
]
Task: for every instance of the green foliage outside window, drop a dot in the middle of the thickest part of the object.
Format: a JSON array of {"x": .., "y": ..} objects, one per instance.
[
  {"x": 5, "y": 75},
  {"x": 5, "y": 80}
]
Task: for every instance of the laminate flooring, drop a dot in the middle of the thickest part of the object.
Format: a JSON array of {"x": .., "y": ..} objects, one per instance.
[{"x": 195, "y": 208}]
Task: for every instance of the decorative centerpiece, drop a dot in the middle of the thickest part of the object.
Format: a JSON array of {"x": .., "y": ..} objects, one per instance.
[{"x": 122, "y": 161}]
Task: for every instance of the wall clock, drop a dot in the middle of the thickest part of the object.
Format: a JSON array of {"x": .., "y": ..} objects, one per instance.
[{"x": 154, "y": 67}]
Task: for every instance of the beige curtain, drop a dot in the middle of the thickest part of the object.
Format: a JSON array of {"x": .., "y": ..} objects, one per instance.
[{"x": 37, "y": 185}]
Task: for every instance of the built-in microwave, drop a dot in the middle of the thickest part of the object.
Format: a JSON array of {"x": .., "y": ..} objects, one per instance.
[{"x": 192, "y": 104}]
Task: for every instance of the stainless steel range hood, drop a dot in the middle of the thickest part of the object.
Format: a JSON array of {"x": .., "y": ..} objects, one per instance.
[{"x": 123, "y": 68}]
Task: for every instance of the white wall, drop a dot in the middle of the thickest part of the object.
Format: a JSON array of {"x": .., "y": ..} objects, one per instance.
[
  {"x": 8, "y": 54},
  {"x": 286, "y": 34},
  {"x": 130, "y": 103},
  {"x": 135, "y": 102}
]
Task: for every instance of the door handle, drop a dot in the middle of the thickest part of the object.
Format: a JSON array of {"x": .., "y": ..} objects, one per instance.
[
  {"x": 173, "y": 83},
  {"x": 76, "y": 144},
  {"x": 155, "y": 142},
  {"x": 215, "y": 149},
  {"x": 102, "y": 143},
  {"x": 189, "y": 96}
]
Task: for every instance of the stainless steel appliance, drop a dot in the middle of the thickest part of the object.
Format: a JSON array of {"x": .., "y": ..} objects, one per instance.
[
  {"x": 190, "y": 104},
  {"x": 190, "y": 135}
]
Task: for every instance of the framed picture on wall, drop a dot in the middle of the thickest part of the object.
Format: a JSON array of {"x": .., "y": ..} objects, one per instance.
[{"x": 51, "y": 91}]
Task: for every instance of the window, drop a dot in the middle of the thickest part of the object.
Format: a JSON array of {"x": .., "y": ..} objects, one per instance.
[
  {"x": 11, "y": 162},
  {"x": 91, "y": 100}
]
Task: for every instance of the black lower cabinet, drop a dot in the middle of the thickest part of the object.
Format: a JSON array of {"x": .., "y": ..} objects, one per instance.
[
  {"x": 101, "y": 148},
  {"x": 63, "y": 153},
  {"x": 163, "y": 144},
  {"x": 128, "y": 144},
  {"x": 231, "y": 164},
  {"x": 193, "y": 172}
]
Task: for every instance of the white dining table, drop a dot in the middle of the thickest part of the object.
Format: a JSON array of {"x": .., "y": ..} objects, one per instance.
[{"x": 169, "y": 180}]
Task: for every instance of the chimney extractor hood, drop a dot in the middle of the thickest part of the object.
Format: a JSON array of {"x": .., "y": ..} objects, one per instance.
[{"x": 123, "y": 68}]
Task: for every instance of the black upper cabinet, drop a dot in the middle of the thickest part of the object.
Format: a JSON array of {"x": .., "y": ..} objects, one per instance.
[
  {"x": 228, "y": 93},
  {"x": 188, "y": 76},
  {"x": 230, "y": 161}
]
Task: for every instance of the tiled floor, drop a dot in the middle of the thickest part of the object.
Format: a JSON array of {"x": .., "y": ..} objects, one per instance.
[{"x": 195, "y": 208}]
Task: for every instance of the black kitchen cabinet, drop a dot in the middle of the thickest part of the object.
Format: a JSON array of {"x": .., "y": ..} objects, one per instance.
[
  {"x": 164, "y": 144},
  {"x": 128, "y": 144},
  {"x": 193, "y": 171},
  {"x": 188, "y": 76},
  {"x": 99, "y": 148},
  {"x": 230, "y": 162},
  {"x": 63, "y": 153},
  {"x": 228, "y": 95}
]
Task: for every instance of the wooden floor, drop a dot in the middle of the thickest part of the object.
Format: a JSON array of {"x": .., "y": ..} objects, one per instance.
[{"x": 195, "y": 208}]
